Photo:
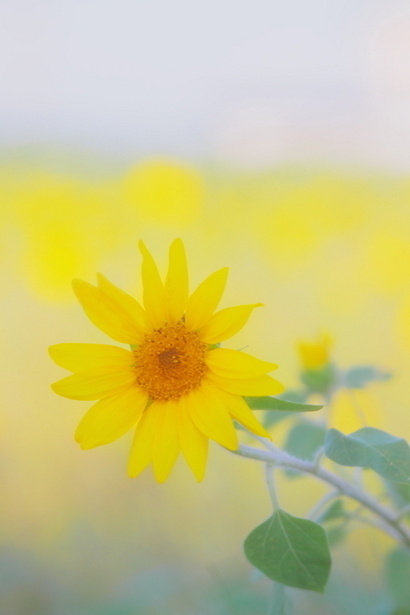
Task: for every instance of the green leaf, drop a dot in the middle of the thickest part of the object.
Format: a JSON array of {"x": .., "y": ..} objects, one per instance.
[
  {"x": 398, "y": 577},
  {"x": 274, "y": 403},
  {"x": 283, "y": 407},
  {"x": 297, "y": 395},
  {"x": 400, "y": 494},
  {"x": 336, "y": 534},
  {"x": 336, "y": 510},
  {"x": 291, "y": 551},
  {"x": 304, "y": 439},
  {"x": 359, "y": 377},
  {"x": 371, "y": 448}
]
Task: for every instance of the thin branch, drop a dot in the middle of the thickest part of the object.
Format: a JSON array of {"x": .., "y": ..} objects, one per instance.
[{"x": 276, "y": 456}]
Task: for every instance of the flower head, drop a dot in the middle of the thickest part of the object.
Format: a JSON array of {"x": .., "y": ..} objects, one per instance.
[
  {"x": 315, "y": 354},
  {"x": 175, "y": 384}
]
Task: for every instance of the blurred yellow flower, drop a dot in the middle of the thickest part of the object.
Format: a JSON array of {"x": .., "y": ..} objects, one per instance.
[
  {"x": 352, "y": 409},
  {"x": 175, "y": 383},
  {"x": 315, "y": 354},
  {"x": 165, "y": 191}
]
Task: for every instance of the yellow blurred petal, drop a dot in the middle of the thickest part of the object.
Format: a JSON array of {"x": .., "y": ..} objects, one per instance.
[
  {"x": 94, "y": 383},
  {"x": 211, "y": 417},
  {"x": 353, "y": 409},
  {"x": 165, "y": 192},
  {"x": 166, "y": 442},
  {"x": 240, "y": 411},
  {"x": 106, "y": 314},
  {"x": 80, "y": 357},
  {"x": 205, "y": 299},
  {"x": 263, "y": 385},
  {"x": 226, "y": 323},
  {"x": 235, "y": 364},
  {"x": 154, "y": 292},
  {"x": 127, "y": 303},
  {"x": 110, "y": 418},
  {"x": 176, "y": 283},
  {"x": 142, "y": 446},
  {"x": 194, "y": 444}
]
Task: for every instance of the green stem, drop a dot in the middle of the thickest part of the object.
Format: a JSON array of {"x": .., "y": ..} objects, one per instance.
[
  {"x": 271, "y": 486},
  {"x": 387, "y": 519}
]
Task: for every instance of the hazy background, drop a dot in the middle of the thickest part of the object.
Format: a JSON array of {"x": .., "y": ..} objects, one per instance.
[{"x": 273, "y": 138}]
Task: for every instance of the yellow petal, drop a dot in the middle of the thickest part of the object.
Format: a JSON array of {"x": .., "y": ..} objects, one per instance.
[
  {"x": 240, "y": 411},
  {"x": 205, "y": 299},
  {"x": 263, "y": 385},
  {"x": 211, "y": 417},
  {"x": 142, "y": 446},
  {"x": 235, "y": 364},
  {"x": 166, "y": 442},
  {"x": 226, "y": 323},
  {"x": 127, "y": 303},
  {"x": 110, "y": 418},
  {"x": 176, "y": 283},
  {"x": 154, "y": 293},
  {"x": 94, "y": 383},
  {"x": 106, "y": 314},
  {"x": 80, "y": 357},
  {"x": 194, "y": 444}
]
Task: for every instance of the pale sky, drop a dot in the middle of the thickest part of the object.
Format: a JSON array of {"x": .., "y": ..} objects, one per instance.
[{"x": 246, "y": 83}]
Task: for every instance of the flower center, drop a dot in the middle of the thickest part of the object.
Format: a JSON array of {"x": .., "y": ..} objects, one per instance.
[{"x": 170, "y": 362}]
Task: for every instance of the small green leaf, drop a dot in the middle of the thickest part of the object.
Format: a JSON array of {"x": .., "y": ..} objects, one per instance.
[
  {"x": 336, "y": 534},
  {"x": 291, "y": 551},
  {"x": 371, "y": 448},
  {"x": 398, "y": 576},
  {"x": 274, "y": 403},
  {"x": 304, "y": 439},
  {"x": 359, "y": 377},
  {"x": 336, "y": 510}
]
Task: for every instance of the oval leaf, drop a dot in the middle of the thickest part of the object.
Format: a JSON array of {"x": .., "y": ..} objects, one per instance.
[
  {"x": 358, "y": 377},
  {"x": 291, "y": 551},
  {"x": 371, "y": 448}
]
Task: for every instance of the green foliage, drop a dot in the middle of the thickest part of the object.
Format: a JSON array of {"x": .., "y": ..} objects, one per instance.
[
  {"x": 278, "y": 408},
  {"x": 398, "y": 577},
  {"x": 297, "y": 395},
  {"x": 275, "y": 403},
  {"x": 399, "y": 493},
  {"x": 291, "y": 551},
  {"x": 371, "y": 448},
  {"x": 319, "y": 380},
  {"x": 336, "y": 510},
  {"x": 303, "y": 441},
  {"x": 359, "y": 377}
]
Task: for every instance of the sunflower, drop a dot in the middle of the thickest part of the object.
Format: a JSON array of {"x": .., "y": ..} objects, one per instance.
[{"x": 175, "y": 384}]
